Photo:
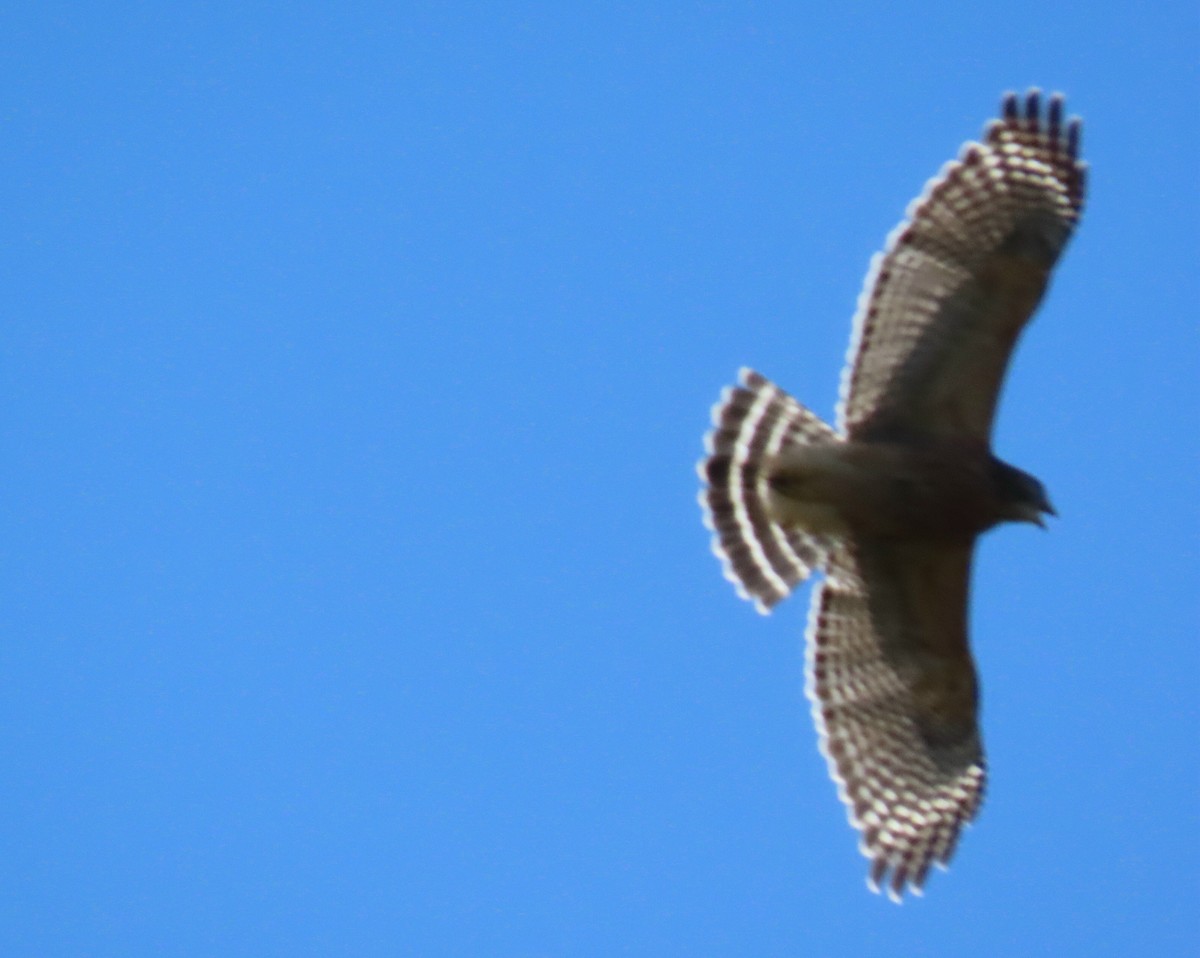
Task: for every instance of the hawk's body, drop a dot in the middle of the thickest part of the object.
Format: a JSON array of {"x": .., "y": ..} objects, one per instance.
[{"x": 890, "y": 505}]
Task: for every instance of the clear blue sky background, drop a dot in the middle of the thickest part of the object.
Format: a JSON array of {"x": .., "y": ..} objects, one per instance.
[{"x": 355, "y": 361}]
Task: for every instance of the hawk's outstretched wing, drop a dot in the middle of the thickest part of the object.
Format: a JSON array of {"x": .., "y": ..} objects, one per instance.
[
  {"x": 895, "y": 699},
  {"x": 944, "y": 303}
]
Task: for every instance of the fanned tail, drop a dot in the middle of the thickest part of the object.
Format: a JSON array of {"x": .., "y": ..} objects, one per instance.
[{"x": 752, "y": 423}]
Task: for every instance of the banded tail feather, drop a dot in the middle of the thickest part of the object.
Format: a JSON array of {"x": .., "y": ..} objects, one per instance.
[{"x": 752, "y": 422}]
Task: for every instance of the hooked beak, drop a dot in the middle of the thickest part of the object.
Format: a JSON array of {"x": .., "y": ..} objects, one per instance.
[{"x": 1036, "y": 515}]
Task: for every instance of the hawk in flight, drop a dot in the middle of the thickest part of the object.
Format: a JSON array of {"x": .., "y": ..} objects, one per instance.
[{"x": 889, "y": 504}]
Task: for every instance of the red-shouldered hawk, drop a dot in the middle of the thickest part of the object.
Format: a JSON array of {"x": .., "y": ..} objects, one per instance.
[{"x": 891, "y": 503}]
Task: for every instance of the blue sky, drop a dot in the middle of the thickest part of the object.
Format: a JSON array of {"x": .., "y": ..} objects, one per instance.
[{"x": 355, "y": 364}]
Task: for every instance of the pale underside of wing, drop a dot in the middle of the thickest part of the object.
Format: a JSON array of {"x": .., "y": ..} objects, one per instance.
[
  {"x": 945, "y": 302},
  {"x": 895, "y": 699}
]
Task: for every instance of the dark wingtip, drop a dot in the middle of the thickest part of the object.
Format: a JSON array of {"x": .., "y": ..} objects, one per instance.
[
  {"x": 1033, "y": 107},
  {"x": 1033, "y": 112},
  {"x": 1054, "y": 116},
  {"x": 1008, "y": 105}
]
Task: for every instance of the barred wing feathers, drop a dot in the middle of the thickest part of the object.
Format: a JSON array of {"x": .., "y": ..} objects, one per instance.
[
  {"x": 894, "y": 696},
  {"x": 945, "y": 302}
]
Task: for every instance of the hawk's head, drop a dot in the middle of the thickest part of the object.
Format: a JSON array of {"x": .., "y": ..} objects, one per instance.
[{"x": 1022, "y": 498}]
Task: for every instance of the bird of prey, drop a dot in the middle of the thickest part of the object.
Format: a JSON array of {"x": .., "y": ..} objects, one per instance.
[{"x": 890, "y": 503}]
